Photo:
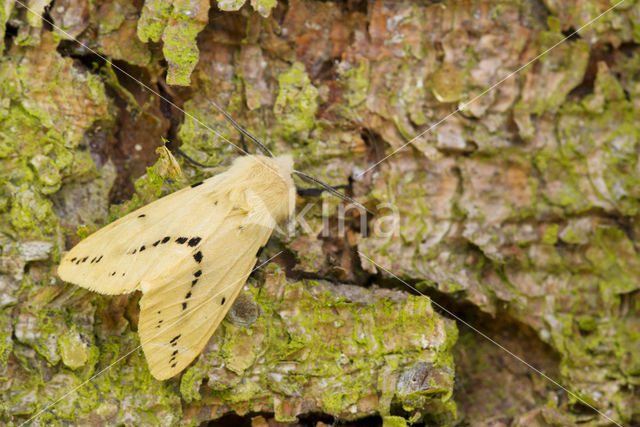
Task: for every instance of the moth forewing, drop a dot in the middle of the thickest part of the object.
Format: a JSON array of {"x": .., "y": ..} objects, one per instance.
[
  {"x": 142, "y": 244},
  {"x": 189, "y": 253}
]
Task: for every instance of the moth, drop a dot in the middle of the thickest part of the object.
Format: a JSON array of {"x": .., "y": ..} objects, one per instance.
[{"x": 189, "y": 253}]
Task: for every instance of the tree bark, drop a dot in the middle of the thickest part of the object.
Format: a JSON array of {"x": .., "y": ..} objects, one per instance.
[{"x": 497, "y": 281}]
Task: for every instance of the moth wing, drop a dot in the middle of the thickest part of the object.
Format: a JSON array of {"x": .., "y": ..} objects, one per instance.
[
  {"x": 181, "y": 310},
  {"x": 142, "y": 244}
]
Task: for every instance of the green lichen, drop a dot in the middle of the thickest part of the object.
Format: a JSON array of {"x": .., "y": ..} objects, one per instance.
[
  {"x": 190, "y": 384},
  {"x": 393, "y": 421},
  {"x": 47, "y": 172},
  {"x": 342, "y": 345},
  {"x": 153, "y": 20},
  {"x": 447, "y": 83},
  {"x": 6, "y": 341},
  {"x": 31, "y": 214},
  {"x": 163, "y": 178},
  {"x": 72, "y": 349},
  {"x": 38, "y": 134},
  {"x": 550, "y": 236},
  {"x": 297, "y": 101},
  {"x": 230, "y": 5},
  {"x": 587, "y": 324},
  {"x": 356, "y": 83},
  {"x": 6, "y": 8},
  {"x": 198, "y": 141},
  {"x": 187, "y": 19},
  {"x": 264, "y": 7},
  {"x": 599, "y": 138}
]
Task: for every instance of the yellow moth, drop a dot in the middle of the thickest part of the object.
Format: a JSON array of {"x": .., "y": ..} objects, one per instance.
[{"x": 189, "y": 253}]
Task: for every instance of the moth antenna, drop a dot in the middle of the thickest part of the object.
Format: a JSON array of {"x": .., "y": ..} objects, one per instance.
[
  {"x": 242, "y": 130},
  {"x": 190, "y": 160},
  {"x": 331, "y": 190}
]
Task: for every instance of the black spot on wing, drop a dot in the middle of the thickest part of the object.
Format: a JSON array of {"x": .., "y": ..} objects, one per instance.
[
  {"x": 184, "y": 305},
  {"x": 194, "y": 241},
  {"x": 156, "y": 243},
  {"x": 174, "y": 339},
  {"x": 223, "y": 301},
  {"x": 166, "y": 239},
  {"x": 113, "y": 274},
  {"x": 197, "y": 273},
  {"x": 142, "y": 248},
  {"x": 193, "y": 283},
  {"x": 98, "y": 260},
  {"x": 73, "y": 259},
  {"x": 198, "y": 256},
  {"x": 181, "y": 240},
  {"x": 174, "y": 353},
  {"x": 141, "y": 216},
  {"x": 188, "y": 295},
  {"x": 174, "y": 365}
]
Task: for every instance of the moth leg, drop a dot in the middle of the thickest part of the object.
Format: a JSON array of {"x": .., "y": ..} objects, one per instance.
[
  {"x": 317, "y": 191},
  {"x": 244, "y": 144},
  {"x": 254, "y": 270}
]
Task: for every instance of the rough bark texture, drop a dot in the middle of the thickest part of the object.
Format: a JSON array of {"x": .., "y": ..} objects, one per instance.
[{"x": 519, "y": 214}]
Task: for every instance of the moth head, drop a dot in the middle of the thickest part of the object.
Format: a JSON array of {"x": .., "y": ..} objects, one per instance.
[
  {"x": 284, "y": 164},
  {"x": 269, "y": 181}
]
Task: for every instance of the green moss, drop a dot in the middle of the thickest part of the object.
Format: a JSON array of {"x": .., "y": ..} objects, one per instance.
[{"x": 297, "y": 101}]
